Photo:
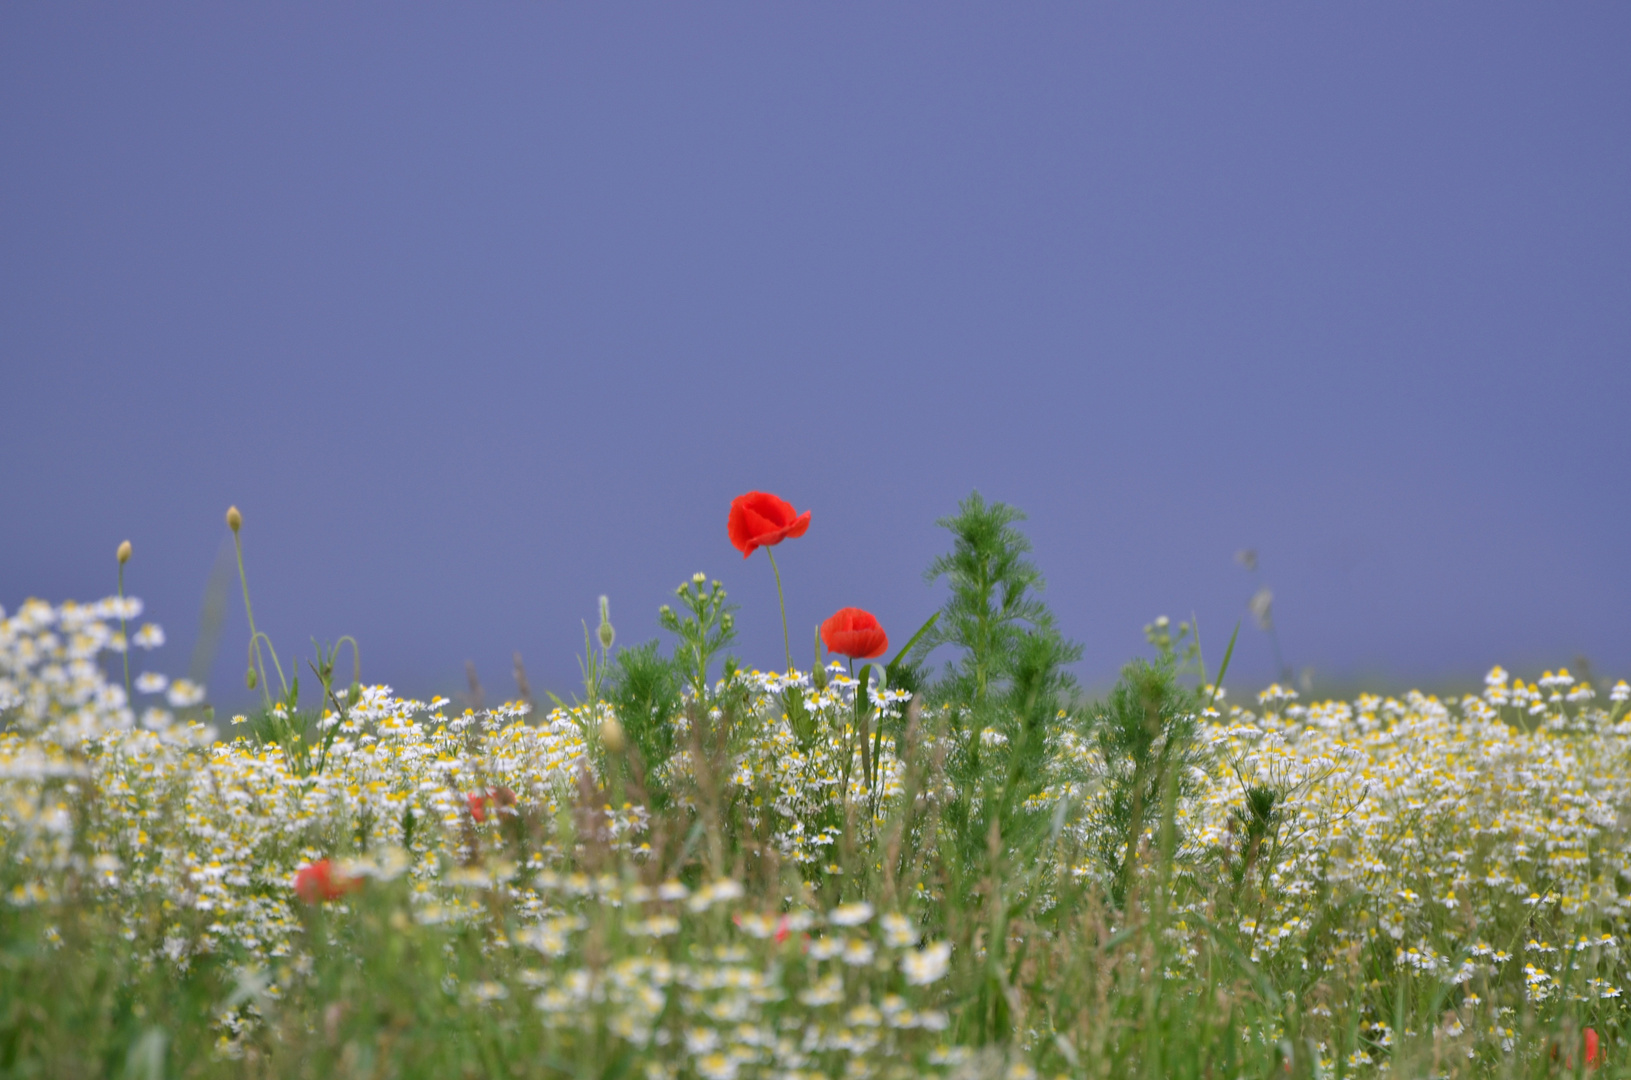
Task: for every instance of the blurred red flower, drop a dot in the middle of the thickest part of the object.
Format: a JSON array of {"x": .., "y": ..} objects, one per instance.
[
  {"x": 319, "y": 881},
  {"x": 1594, "y": 1049},
  {"x": 760, "y": 519},
  {"x": 854, "y": 633},
  {"x": 499, "y": 799}
]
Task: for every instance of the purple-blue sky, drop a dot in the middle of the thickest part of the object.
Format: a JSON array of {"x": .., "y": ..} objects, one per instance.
[{"x": 479, "y": 311}]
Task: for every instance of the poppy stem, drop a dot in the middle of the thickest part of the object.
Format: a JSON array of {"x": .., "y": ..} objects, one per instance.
[{"x": 787, "y": 642}]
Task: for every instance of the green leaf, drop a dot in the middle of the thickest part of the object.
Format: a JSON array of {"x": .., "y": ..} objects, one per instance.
[
  {"x": 863, "y": 713},
  {"x": 798, "y": 717},
  {"x": 900, "y": 657},
  {"x": 1224, "y": 667},
  {"x": 860, "y": 691}
]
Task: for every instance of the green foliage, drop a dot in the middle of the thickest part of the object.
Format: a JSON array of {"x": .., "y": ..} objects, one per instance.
[
  {"x": 645, "y": 693},
  {"x": 645, "y": 688},
  {"x": 994, "y": 708},
  {"x": 1180, "y": 651},
  {"x": 1146, "y": 734},
  {"x": 992, "y": 602},
  {"x": 282, "y": 722},
  {"x": 323, "y": 668},
  {"x": 708, "y": 628},
  {"x": 295, "y": 731},
  {"x": 908, "y": 671},
  {"x": 594, "y": 667},
  {"x": 1008, "y": 687},
  {"x": 1257, "y": 821},
  {"x": 304, "y": 735}
]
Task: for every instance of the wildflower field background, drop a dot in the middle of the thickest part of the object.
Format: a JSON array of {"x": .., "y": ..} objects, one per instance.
[{"x": 916, "y": 854}]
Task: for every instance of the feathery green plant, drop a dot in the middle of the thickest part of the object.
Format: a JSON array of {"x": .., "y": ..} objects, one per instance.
[
  {"x": 992, "y": 602},
  {"x": 1146, "y": 737},
  {"x": 1003, "y": 693},
  {"x": 645, "y": 694}
]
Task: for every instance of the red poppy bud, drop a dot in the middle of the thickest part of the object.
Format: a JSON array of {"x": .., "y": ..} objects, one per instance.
[
  {"x": 854, "y": 633},
  {"x": 760, "y": 519}
]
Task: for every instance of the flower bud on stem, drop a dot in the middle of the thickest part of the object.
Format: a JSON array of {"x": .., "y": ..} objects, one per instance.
[{"x": 611, "y": 736}]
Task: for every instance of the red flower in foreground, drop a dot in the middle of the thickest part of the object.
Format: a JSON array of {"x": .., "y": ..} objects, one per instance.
[
  {"x": 319, "y": 882},
  {"x": 854, "y": 633},
  {"x": 1595, "y": 1053},
  {"x": 760, "y": 519}
]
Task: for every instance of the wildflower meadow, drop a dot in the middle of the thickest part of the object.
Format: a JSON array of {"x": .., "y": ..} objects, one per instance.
[{"x": 913, "y": 851}]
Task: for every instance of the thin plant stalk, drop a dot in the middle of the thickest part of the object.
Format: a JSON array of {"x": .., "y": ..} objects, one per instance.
[
  {"x": 787, "y": 641},
  {"x": 324, "y": 669},
  {"x": 254, "y": 635},
  {"x": 124, "y": 553}
]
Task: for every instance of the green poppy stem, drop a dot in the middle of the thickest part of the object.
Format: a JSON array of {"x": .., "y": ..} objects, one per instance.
[{"x": 787, "y": 641}]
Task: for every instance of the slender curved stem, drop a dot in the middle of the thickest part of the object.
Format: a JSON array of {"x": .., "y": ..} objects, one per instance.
[
  {"x": 356, "y": 658},
  {"x": 341, "y": 715},
  {"x": 254, "y": 638},
  {"x": 254, "y": 644},
  {"x": 787, "y": 641},
  {"x": 125, "y": 635}
]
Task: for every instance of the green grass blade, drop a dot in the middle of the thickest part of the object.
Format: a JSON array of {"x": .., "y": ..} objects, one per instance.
[
  {"x": 894, "y": 665},
  {"x": 1223, "y": 669}
]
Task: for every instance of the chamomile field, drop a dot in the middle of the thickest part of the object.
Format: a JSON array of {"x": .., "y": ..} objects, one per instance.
[{"x": 913, "y": 852}]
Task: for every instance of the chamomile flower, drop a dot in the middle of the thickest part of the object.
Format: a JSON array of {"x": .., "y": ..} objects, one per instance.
[
  {"x": 151, "y": 682},
  {"x": 927, "y": 965}
]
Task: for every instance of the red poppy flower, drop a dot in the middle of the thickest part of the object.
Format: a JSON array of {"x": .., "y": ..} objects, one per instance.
[
  {"x": 318, "y": 882},
  {"x": 501, "y": 799},
  {"x": 1594, "y": 1049},
  {"x": 854, "y": 633},
  {"x": 760, "y": 519}
]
